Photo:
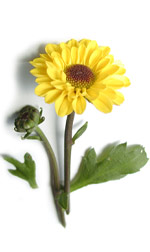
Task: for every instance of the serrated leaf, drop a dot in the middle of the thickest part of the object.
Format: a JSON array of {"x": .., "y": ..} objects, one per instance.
[
  {"x": 24, "y": 170},
  {"x": 105, "y": 152},
  {"x": 80, "y": 132},
  {"x": 117, "y": 162}
]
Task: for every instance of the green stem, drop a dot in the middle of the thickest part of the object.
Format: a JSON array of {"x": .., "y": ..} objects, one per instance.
[
  {"x": 55, "y": 181},
  {"x": 67, "y": 157}
]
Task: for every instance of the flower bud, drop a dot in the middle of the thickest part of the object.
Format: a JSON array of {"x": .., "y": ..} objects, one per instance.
[{"x": 28, "y": 118}]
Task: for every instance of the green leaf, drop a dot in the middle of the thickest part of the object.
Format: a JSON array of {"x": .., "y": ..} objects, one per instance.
[
  {"x": 80, "y": 132},
  {"x": 105, "y": 152},
  {"x": 24, "y": 170},
  {"x": 63, "y": 200},
  {"x": 116, "y": 162}
]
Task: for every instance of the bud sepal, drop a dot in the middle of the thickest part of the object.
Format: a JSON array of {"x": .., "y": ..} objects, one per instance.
[{"x": 28, "y": 119}]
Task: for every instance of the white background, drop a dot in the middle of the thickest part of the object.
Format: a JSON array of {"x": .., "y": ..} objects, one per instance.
[{"x": 110, "y": 217}]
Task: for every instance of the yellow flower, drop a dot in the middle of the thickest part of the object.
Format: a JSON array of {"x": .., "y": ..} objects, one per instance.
[{"x": 72, "y": 73}]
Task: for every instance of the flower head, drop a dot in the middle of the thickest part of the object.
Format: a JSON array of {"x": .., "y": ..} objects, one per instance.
[
  {"x": 72, "y": 73},
  {"x": 28, "y": 118}
]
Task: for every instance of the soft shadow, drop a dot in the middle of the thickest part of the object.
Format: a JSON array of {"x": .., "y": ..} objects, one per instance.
[
  {"x": 25, "y": 83},
  {"x": 23, "y": 76},
  {"x": 78, "y": 125},
  {"x": 59, "y": 137},
  {"x": 11, "y": 118}
]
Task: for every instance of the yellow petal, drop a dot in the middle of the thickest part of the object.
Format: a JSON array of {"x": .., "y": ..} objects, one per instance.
[
  {"x": 38, "y": 62},
  {"x": 38, "y": 72},
  {"x": 42, "y": 89},
  {"x": 111, "y": 69},
  {"x": 74, "y": 93},
  {"x": 92, "y": 45},
  {"x": 103, "y": 103},
  {"x": 95, "y": 57},
  {"x": 104, "y": 62},
  {"x": 84, "y": 42},
  {"x": 72, "y": 43},
  {"x": 114, "y": 83},
  {"x": 51, "y": 65},
  {"x": 126, "y": 81},
  {"x": 55, "y": 54},
  {"x": 44, "y": 78},
  {"x": 119, "y": 98},
  {"x": 109, "y": 93},
  {"x": 45, "y": 56},
  {"x": 63, "y": 106},
  {"x": 121, "y": 71},
  {"x": 71, "y": 94},
  {"x": 98, "y": 85},
  {"x": 70, "y": 108},
  {"x": 55, "y": 74},
  {"x": 74, "y": 55},
  {"x": 79, "y": 104},
  {"x": 63, "y": 46},
  {"x": 105, "y": 50},
  {"x": 92, "y": 93},
  {"x": 51, "y": 48},
  {"x": 117, "y": 81},
  {"x": 58, "y": 84},
  {"x": 66, "y": 55},
  {"x": 81, "y": 53},
  {"x": 58, "y": 62},
  {"x": 52, "y": 95}
]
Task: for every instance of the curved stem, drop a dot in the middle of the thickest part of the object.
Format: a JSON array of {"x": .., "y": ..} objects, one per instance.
[
  {"x": 67, "y": 157},
  {"x": 55, "y": 182}
]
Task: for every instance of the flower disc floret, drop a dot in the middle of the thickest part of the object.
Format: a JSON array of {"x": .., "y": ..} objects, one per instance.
[{"x": 79, "y": 76}]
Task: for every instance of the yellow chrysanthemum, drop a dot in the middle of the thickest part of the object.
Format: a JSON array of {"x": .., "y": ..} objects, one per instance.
[{"x": 73, "y": 72}]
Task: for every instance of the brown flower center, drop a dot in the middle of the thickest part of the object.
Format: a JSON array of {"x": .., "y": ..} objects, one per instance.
[{"x": 79, "y": 76}]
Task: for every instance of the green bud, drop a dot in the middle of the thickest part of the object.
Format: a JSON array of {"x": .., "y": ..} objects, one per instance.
[{"x": 28, "y": 118}]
